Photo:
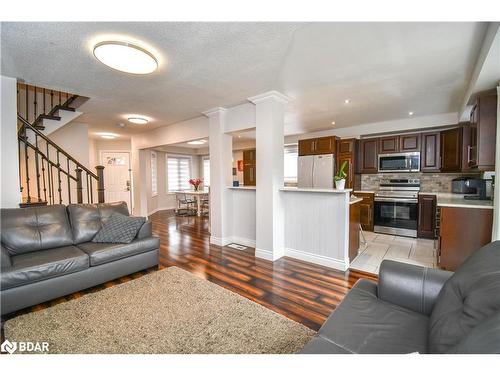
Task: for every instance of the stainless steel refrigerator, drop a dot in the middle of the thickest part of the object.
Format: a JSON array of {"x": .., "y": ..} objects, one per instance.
[{"x": 316, "y": 171}]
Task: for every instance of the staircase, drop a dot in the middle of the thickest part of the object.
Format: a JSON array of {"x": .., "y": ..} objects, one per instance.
[{"x": 48, "y": 173}]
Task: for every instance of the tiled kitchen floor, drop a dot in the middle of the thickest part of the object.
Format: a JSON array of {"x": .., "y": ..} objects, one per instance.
[{"x": 403, "y": 249}]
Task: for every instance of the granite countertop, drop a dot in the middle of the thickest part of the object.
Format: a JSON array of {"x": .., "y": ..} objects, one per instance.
[
  {"x": 242, "y": 187},
  {"x": 457, "y": 200},
  {"x": 364, "y": 191},
  {"x": 309, "y": 190}
]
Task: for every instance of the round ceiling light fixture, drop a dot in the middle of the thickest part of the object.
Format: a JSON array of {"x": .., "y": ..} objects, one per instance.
[
  {"x": 200, "y": 142},
  {"x": 107, "y": 135},
  {"x": 125, "y": 57},
  {"x": 138, "y": 120}
]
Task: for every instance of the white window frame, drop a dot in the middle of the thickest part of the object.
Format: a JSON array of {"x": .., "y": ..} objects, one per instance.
[
  {"x": 154, "y": 174},
  {"x": 178, "y": 156},
  {"x": 203, "y": 171}
]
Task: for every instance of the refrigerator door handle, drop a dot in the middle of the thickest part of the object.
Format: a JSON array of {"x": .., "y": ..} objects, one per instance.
[{"x": 312, "y": 171}]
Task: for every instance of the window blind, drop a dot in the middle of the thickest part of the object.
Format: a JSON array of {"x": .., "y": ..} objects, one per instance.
[{"x": 178, "y": 173}]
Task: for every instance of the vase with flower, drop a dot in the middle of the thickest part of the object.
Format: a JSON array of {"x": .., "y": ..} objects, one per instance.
[{"x": 195, "y": 182}]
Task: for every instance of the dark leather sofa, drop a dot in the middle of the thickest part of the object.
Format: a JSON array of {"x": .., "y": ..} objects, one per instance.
[
  {"x": 47, "y": 252},
  {"x": 416, "y": 309}
]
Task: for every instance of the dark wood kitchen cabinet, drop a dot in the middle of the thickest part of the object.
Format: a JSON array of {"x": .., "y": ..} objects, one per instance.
[
  {"x": 451, "y": 150},
  {"x": 249, "y": 168},
  {"x": 366, "y": 210},
  {"x": 426, "y": 216},
  {"x": 346, "y": 152},
  {"x": 430, "y": 157},
  {"x": 409, "y": 142},
  {"x": 483, "y": 124},
  {"x": 354, "y": 217},
  {"x": 387, "y": 145},
  {"x": 466, "y": 139},
  {"x": 317, "y": 146},
  {"x": 462, "y": 232},
  {"x": 368, "y": 155}
]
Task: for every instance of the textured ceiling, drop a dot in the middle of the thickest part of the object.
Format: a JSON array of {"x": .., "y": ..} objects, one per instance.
[{"x": 385, "y": 69}]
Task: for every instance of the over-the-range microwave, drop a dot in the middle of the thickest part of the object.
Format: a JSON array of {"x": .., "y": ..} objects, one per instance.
[{"x": 400, "y": 162}]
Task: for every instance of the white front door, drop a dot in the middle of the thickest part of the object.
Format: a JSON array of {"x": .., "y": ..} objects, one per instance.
[{"x": 117, "y": 177}]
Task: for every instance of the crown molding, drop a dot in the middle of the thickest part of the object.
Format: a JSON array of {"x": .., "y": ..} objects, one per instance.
[
  {"x": 274, "y": 95},
  {"x": 215, "y": 111}
]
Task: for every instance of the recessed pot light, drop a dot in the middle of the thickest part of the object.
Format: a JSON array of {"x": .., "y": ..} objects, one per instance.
[
  {"x": 333, "y": 122},
  {"x": 347, "y": 101},
  {"x": 200, "y": 142},
  {"x": 410, "y": 113},
  {"x": 125, "y": 57},
  {"x": 138, "y": 120}
]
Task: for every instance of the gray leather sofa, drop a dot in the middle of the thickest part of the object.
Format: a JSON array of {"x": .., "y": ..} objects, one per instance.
[
  {"x": 416, "y": 309},
  {"x": 47, "y": 252}
]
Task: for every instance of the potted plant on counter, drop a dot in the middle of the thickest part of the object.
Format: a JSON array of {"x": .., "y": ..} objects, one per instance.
[{"x": 341, "y": 176}]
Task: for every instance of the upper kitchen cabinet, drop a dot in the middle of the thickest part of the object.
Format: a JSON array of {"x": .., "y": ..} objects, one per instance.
[
  {"x": 483, "y": 121},
  {"x": 317, "y": 146},
  {"x": 368, "y": 155},
  {"x": 409, "y": 142},
  {"x": 387, "y": 145},
  {"x": 430, "y": 157},
  {"x": 345, "y": 152},
  {"x": 451, "y": 150},
  {"x": 249, "y": 168},
  {"x": 466, "y": 139}
]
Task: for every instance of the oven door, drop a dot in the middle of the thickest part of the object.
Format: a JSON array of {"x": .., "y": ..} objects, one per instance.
[
  {"x": 393, "y": 163},
  {"x": 396, "y": 216}
]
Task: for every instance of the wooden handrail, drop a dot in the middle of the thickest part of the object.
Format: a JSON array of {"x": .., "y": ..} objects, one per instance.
[{"x": 57, "y": 147}]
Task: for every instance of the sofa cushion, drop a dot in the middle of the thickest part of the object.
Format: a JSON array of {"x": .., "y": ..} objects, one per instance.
[
  {"x": 101, "y": 253},
  {"x": 363, "y": 323},
  {"x": 482, "y": 339},
  {"x": 44, "y": 264},
  {"x": 468, "y": 298},
  {"x": 35, "y": 228},
  {"x": 88, "y": 219},
  {"x": 119, "y": 229}
]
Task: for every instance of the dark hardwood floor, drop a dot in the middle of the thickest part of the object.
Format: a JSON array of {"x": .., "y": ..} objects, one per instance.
[{"x": 304, "y": 292}]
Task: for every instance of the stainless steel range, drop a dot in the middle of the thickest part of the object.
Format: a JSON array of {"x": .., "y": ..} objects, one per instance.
[{"x": 396, "y": 207}]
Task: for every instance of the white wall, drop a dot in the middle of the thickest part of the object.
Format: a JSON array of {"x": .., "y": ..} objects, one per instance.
[
  {"x": 74, "y": 139},
  {"x": 9, "y": 186}
]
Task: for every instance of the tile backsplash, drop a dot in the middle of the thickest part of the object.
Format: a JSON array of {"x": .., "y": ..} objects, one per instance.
[{"x": 429, "y": 182}]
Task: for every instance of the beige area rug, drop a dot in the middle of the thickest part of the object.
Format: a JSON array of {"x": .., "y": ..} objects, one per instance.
[{"x": 169, "y": 311}]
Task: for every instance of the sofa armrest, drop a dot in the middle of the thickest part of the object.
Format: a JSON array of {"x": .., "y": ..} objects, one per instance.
[
  {"x": 146, "y": 230},
  {"x": 5, "y": 261},
  {"x": 412, "y": 287}
]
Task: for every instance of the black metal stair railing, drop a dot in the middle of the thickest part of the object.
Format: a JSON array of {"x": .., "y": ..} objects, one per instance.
[{"x": 59, "y": 177}]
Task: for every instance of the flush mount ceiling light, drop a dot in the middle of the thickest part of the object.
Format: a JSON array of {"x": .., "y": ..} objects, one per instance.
[
  {"x": 347, "y": 101},
  {"x": 410, "y": 113},
  {"x": 138, "y": 120},
  {"x": 333, "y": 122},
  {"x": 107, "y": 135},
  {"x": 125, "y": 57},
  {"x": 200, "y": 142}
]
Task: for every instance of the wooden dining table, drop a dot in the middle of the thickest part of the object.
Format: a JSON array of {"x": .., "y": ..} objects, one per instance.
[{"x": 197, "y": 194}]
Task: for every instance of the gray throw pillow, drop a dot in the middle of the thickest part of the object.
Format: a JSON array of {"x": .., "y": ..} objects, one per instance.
[{"x": 119, "y": 229}]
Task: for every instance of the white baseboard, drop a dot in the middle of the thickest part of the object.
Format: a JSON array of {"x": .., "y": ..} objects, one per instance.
[
  {"x": 264, "y": 254},
  {"x": 243, "y": 241},
  {"x": 220, "y": 241},
  {"x": 317, "y": 259}
]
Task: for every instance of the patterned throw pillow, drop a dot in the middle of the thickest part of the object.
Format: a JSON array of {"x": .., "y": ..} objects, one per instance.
[{"x": 119, "y": 229}]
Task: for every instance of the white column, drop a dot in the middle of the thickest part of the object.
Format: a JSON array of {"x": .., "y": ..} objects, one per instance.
[
  {"x": 270, "y": 228},
  {"x": 139, "y": 183},
  {"x": 10, "y": 191},
  {"x": 221, "y": 155}
]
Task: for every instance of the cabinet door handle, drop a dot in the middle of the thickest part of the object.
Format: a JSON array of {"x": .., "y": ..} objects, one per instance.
[{"x": 469, "y": 148}]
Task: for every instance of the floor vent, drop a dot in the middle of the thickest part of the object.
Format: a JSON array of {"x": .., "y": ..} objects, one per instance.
[{"x": 237, "y": 247}]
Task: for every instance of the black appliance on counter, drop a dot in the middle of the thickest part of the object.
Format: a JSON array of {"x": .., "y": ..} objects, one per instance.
[
  {"x": 459, "y": 185},
  {"x": 479, "y": 185}
]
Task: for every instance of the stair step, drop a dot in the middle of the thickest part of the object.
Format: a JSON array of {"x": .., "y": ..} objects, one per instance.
[
  {"x": 32, "y": 202},
  {"x": 48, "y": 117}
]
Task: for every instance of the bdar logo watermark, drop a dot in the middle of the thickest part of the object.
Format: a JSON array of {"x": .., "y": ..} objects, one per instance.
[{"x": 24, "y": 347}]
